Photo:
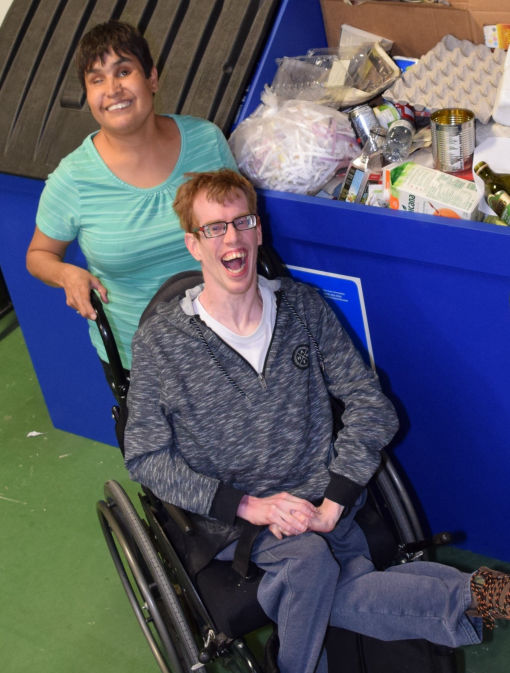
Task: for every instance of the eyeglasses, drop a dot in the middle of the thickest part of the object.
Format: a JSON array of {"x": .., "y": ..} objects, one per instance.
[{"x": 241, "y": 223}]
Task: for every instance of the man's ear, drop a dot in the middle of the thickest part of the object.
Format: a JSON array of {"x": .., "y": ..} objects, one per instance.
[
  {"x": 259, "y": 231},
  {"x": 193, "y": 245}
]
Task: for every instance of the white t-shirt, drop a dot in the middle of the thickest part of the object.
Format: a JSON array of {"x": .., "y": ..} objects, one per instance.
[{"x": 254, "y": 346}]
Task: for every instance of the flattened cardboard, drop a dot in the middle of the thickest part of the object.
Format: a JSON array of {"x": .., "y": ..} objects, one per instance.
[{"x": 415, "y": 28}]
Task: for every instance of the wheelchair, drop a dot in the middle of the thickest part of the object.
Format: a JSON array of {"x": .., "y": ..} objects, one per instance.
[{"x": 192, "y": 624}]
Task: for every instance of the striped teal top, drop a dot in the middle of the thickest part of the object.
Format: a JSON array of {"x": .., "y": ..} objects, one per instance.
[{"x": 131, "y": 237}]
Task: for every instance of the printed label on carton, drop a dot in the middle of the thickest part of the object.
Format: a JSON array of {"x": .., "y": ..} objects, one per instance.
[
  {"x": 418, "y": 189},
  {"x": 497, "y": 35}
]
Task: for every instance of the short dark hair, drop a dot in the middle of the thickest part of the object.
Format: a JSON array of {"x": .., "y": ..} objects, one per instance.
[
  {"x": 120, "y": 37},
  {"x": 218, "y": 186}
]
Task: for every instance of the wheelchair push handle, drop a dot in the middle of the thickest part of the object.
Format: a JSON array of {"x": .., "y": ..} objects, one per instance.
[{"x": 119, "y": 377}]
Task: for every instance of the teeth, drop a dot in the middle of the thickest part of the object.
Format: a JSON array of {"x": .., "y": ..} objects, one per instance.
[
  {"x": 233, "y": 255},
  {"x": 118, "y": 106},
  {"x": 230, "y": 263}
]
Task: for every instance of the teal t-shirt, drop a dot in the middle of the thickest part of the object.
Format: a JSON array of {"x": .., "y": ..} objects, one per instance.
[{"x": 130, "y": 237}]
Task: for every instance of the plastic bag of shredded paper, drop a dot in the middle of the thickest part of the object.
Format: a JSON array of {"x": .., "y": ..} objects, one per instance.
[{"x": 292, "y": 146}]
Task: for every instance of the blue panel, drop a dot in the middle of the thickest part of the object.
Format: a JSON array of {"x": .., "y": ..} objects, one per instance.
[
  {"x": 437, "y": 301},
  {"x": 67, "y": 367}
]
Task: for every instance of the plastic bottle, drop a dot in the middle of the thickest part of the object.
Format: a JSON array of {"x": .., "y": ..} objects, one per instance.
[
  {"x": 398, "y": 141},
  {"x": 493, "y": 182}
]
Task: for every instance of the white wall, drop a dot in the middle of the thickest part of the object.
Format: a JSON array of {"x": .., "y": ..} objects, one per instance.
[{"x": 4, "y": 6}]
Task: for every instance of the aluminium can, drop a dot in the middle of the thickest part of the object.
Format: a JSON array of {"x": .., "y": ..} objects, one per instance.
[{"x": 363, "y": 119}]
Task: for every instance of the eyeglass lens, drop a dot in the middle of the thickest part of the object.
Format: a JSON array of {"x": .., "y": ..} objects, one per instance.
[{"x": 220, "y": 228}]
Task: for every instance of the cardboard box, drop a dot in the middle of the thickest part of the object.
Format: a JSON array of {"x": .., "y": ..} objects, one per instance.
[{"x": 415, "y": 28}]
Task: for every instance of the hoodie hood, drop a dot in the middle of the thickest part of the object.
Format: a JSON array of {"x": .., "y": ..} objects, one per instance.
[{"x": 186, "y": 303}]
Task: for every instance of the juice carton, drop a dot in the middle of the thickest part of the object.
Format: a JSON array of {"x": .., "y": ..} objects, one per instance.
[{"x": 415, "y": 188}]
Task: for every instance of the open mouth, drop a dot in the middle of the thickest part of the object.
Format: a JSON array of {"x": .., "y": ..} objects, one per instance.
[
  {"x": 118, "y": 106},
  {"x": 234, "y": 261}
]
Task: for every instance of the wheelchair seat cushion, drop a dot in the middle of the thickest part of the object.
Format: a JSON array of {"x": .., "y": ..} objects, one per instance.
[{"x": 230, "y": 599}]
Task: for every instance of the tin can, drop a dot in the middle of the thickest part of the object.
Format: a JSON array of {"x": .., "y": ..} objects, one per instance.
[
  {"x": 363, "y": 119},
  {"x": 453, "y": 139},
  {"x": 386, "y": 114}
]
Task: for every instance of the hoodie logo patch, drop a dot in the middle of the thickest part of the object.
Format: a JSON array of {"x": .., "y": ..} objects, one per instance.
[{"x": 301, "y": 357}]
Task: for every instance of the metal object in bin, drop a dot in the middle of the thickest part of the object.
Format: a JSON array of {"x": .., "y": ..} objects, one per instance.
[{"x": 453, "y": 139}]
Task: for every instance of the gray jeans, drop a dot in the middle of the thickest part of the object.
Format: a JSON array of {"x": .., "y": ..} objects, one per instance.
[{"x": 314, "y": 580}]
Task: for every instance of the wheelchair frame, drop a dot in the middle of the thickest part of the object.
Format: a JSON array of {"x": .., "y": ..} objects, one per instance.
[{"x": 178, "y": 626}]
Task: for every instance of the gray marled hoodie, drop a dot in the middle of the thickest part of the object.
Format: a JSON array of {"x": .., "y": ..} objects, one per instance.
[{"x": 204, "y": 428}]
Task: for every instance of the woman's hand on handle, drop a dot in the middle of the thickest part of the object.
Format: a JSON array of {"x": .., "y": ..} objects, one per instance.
[
  {"x": 45, "y": 261},
  {"x": 77, "y": 284}
]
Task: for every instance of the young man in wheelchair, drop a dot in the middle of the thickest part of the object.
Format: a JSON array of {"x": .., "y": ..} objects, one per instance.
[{"x": 230, "y": 418}]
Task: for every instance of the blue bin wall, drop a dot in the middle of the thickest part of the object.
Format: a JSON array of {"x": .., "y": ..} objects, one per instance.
[
  {"x": 298, "y": 27},
  {"x": 66, "y": 365},
  {"x": 437, "y": 302},
  {"x": 437, "y": 299}
]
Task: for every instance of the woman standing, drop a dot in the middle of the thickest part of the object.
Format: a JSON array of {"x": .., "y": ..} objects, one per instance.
[{"x": 114, "y": 193}]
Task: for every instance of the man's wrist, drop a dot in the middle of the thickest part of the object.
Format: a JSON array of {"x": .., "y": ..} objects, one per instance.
[
  {"x": 244, "y": 506},
  {"x": 332, "y": 508}
]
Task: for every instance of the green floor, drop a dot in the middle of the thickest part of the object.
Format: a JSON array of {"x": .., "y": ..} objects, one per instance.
[{"x": 63, "y": 608}]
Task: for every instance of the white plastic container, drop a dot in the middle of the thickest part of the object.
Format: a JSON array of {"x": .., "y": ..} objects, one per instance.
[{"x": 501, "y": 109}]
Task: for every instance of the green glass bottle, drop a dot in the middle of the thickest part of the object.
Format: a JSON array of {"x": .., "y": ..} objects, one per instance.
[
  {"x": 500, "y": 204},
  {"x": 494, "y": 182}
]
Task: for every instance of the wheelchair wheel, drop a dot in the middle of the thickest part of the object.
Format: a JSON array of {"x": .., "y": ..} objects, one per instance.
[
  {"x": 398, "y": 503},
  {"x": 153, "y": 598},
  {"x": 390, "y": 499}
]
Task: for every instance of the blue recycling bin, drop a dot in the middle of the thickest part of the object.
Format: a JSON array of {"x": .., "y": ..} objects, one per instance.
[
  {"x": 66, "y": 364},
  {"x": 436, "y": 296}
]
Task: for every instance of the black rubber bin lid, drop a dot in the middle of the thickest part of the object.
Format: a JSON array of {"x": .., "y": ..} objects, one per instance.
[{"x": 205, "y": 52}]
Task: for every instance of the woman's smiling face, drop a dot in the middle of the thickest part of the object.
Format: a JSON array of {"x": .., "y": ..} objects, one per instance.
[{"x": 119, "y": 95}]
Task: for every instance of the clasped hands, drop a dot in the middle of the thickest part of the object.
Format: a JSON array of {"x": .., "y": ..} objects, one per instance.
[{"x": 286, "y": 514}]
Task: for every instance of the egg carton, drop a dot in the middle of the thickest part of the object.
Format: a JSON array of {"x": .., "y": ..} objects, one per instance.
[{"x": 454, "y": 73}]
